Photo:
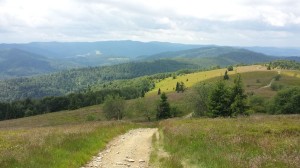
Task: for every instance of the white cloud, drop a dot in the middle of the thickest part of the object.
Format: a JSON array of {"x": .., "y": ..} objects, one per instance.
[{"x": 235, "y": 22}]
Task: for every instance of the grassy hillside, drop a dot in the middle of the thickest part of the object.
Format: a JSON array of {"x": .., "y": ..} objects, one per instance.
[
  {"x": 256, "y": 141},
  {"x": 62, "y": 139},
  {"x": 56, "y": 146},
  {"x": 168, "y": 84}
]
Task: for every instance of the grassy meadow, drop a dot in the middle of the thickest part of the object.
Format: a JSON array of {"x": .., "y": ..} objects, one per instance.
[
  {"x": 61, "y": 139},
  {"x": 168, "y": 85},
  {"x": 256, "y": 141}
]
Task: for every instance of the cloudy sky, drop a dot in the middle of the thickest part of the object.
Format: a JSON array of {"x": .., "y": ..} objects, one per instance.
[{"x": 232, "y": 22}]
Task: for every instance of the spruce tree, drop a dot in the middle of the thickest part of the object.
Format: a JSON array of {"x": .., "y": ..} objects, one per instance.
[
  {"x": 238, "y": 97},
  {"x": 163, "y": 109},
  {"x": 177, "y": 89},
  {"x": 219, "y": 100},
  {"x": 226, "y": 77}
]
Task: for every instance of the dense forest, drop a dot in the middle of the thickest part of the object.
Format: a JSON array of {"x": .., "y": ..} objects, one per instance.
[
  {"x": 75, "y": 80},
  {"x": 285, "y": 64},
  {"x": 128, "y": 89}
]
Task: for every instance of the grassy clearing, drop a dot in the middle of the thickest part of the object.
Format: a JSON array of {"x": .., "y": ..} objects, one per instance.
[
  {"x": 168, "y": 85},
  {"x": 256, "y": 141},
  {"x": 56, "y": 146}
]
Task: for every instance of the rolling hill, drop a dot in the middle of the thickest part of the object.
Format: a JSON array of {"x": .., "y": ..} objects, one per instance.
[
  {"x": 19, "y": 63},
  {"x": 214, "y": 56},
  {"x": 16, "y": 63}
]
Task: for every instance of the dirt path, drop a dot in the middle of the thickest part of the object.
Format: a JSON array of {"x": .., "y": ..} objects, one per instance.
[
  {"x": 269, "y": 85},
  {"x": 129, "y": 150}
]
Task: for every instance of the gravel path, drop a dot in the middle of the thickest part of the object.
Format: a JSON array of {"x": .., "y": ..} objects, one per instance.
[{"x": 129, "y": 150}]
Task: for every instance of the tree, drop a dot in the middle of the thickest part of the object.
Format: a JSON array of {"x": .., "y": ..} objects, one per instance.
[
  {"x": 219, "y": 100},
  {"x": 226, "y": 77},
  {"x": 269, "y": 66},
  {"x": 177, "y": 89},
  {"x": 180, "y": 87},
  {"x": 158, "y": 93},
  {"x": 230, "y": 68},
  {"x": 141, "y": 107},
  {"x": 113, "y": 107},
  {"x": 199, "y": 99},
  {"x": 238, "y": 97},
  {"x": 287, "y": 101},
  {"x": 163, "y": 108}
]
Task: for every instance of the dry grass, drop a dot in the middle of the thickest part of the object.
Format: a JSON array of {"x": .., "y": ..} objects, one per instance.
[{"x": 256, "y": 141}]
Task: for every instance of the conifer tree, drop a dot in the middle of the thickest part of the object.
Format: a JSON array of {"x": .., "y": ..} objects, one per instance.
[
  {"x": 177, "y": 89},
  {"x": 158, "y": 93},
  {"x": 238, "y": 97},
  {"x": 219, "y": 100},
  {"x": 163, "y": 109},
  {"x": 226, "y": 77}
]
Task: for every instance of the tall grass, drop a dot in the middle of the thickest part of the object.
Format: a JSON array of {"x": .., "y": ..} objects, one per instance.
[
  {"x": 56, "y": 146},
  {"x": 257, "y": 141}
]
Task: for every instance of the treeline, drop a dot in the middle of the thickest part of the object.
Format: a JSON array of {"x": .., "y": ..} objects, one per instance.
[
  {"x": 75, "y": 80},
  {"x": 219, "y": 99},
  {"x": 286, "y": 101},
  {"x": 285, "y": 64},
  {"x": 30, "y": 107}
]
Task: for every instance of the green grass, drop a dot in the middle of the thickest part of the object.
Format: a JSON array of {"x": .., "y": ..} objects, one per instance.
[
  {"x": 82, "y": 115},
  {"x": 168, "y": 85},
  {"x": 57, "y": 146},
  {"x": 256, "y": 141}
]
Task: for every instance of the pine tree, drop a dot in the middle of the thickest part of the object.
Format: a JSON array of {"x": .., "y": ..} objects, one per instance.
[
  {"x": 226, "y": 77},
  {"x": 219, "y": 100},
  {"x": 181, "y": 87},
  {"x": 269, "y": 66},
  {"x": 163, "y": 109},
  {"x": 177, "y": 89},
  {"x": 238, "y": 97}
]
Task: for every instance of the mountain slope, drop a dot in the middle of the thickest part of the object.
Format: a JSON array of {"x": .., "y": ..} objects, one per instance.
[
  {"x": 74, "y": 80},
  {"x": 215, "y": 55},
  {"x": 275, "y": 51},
  {"x": 16, "y": 63},
  {"x": 19, "y": 63}
]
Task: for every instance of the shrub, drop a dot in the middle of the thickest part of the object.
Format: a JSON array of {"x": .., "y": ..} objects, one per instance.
[
  {"x": 257, "y": 104},
  {"x": 286, "y": 101},
  {"x": 230, "y": 68},
  {"x": 276, "y": 86}
]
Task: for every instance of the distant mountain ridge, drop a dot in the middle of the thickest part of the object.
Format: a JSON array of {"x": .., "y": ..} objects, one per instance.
[
  {"x": 214, "y": 56},
  {"x": 16, "y": 63},
  {"x": 126, "y": 48},
  {"x": 45, "y": 57}
]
